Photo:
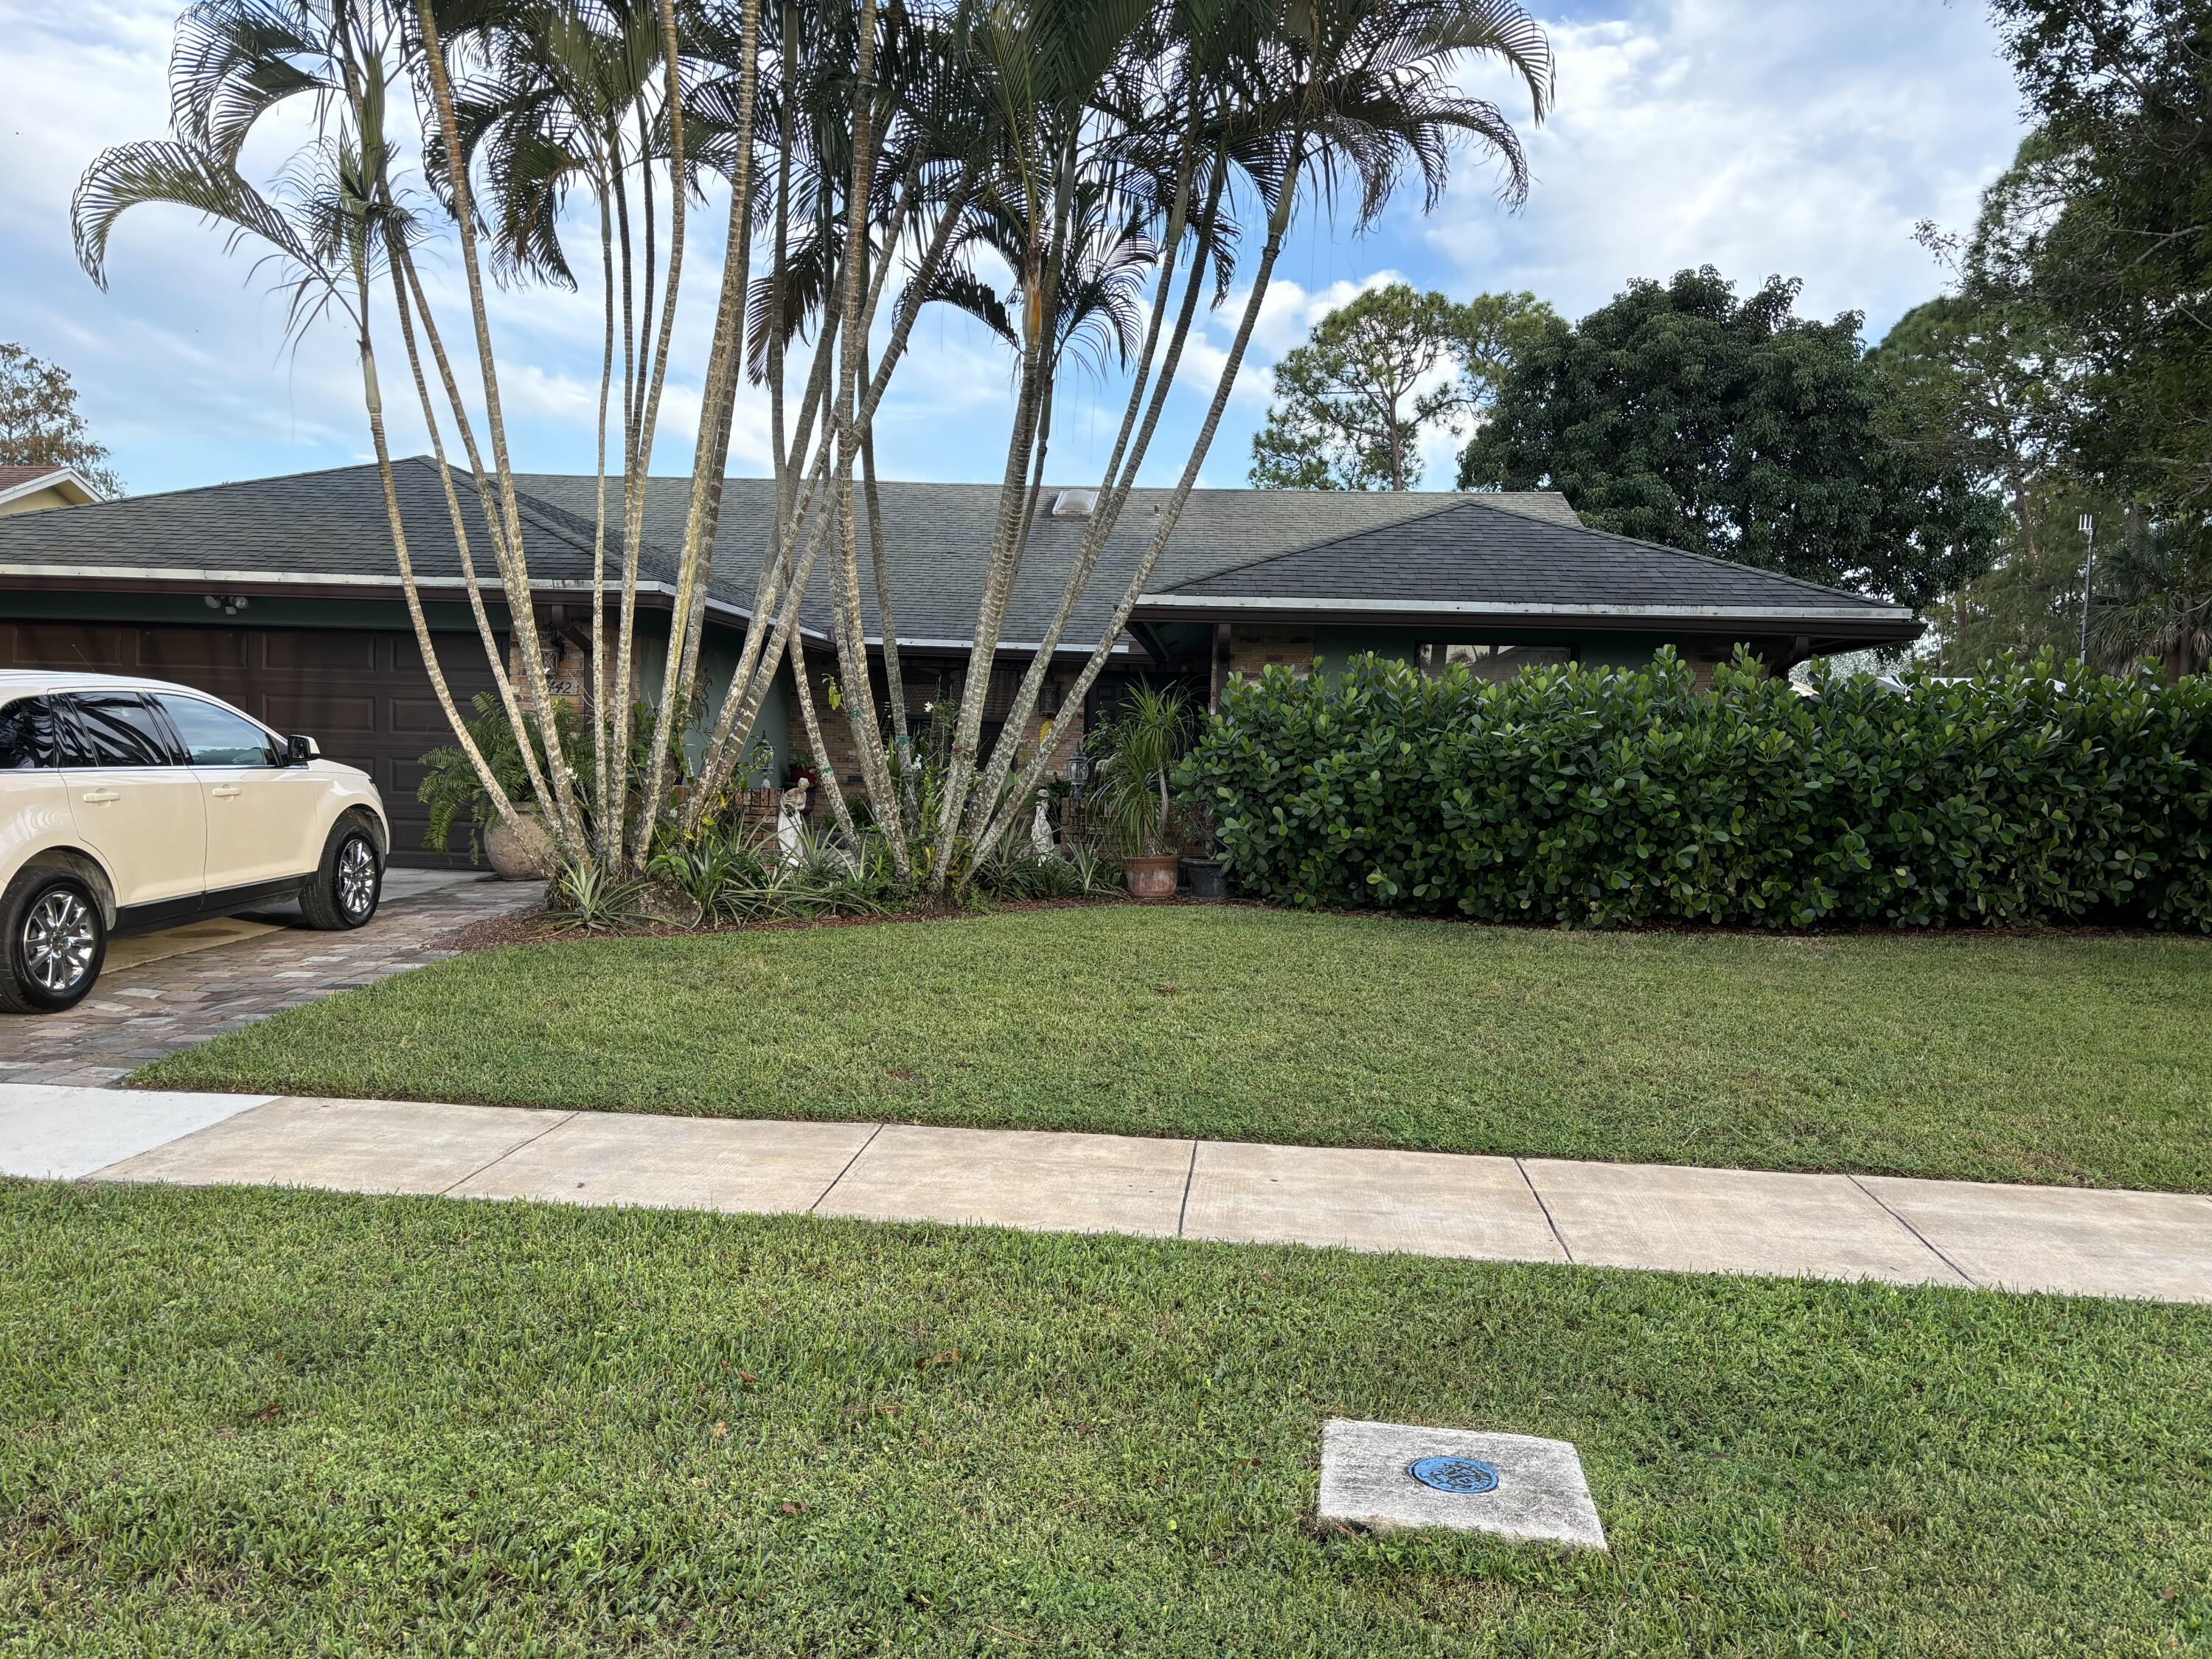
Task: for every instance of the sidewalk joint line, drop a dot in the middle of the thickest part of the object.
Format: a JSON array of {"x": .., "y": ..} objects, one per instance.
[
  {"x": 1925, "y": 1243},
  {"x": 566, "y": 1117},
  {"x": 1527, "y": 1181},
  {"x": 1190, "y": 1174},
  {"x": 823, "y": 1196}
]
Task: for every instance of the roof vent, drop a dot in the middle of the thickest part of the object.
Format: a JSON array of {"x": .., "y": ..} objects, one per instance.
[{"x": 1074, "y": 503}]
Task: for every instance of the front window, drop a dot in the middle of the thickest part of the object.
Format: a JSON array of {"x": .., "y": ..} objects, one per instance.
[
  {"x": 215, "y": 737},
  {"x": 1491, "y": 662}
]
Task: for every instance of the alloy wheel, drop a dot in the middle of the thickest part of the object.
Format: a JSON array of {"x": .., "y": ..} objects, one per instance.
[
  {"x": 356, "y": 877},
  {"x": 58, "y": 939}
]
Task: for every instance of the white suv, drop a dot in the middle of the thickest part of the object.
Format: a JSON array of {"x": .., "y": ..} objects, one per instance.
[{"x": 128, "y": 805}]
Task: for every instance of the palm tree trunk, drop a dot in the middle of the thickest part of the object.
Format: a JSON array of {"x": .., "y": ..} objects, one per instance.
[
  {"x": 520, "y": 601},
  {"x": 1171, "y": 512},
  {"x": 502, "y": 681}
]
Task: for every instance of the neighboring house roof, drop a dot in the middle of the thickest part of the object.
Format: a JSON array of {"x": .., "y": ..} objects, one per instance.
[
  {"x": 18, "y": 482},
  {"x": 1463, "y": 563},
  {"x": 1233, "y": 549}
]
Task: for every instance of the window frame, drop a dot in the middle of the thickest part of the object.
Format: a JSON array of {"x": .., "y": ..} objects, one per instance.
[{"x": 1570, "y": 655}]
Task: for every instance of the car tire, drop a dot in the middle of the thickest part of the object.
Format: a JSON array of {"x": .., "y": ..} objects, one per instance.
[
  {"x": 54, "y": 944},
  {"x": 344, "y": 891}
]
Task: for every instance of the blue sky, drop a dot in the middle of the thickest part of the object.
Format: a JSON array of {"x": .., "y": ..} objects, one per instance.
[{"x": 1802, "y": 137}]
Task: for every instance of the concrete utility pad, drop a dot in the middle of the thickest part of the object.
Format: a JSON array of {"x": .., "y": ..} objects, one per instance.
[
  {"x": 2157, "y": 1245},
  {"x": 1426, "y": 1203},
  {"x": 1017, "y": 1178},
  {"x": 349, "y": 1145},
  {"x": 1729, "y": 1221},
  {"x": 675, "y": 1163},
  {"x": 54, "y": 1132},
  {"x": 1368, "y": 1479}
]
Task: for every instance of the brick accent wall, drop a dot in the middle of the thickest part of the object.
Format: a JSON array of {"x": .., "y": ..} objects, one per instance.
[{"x": 1252, "y": 649}]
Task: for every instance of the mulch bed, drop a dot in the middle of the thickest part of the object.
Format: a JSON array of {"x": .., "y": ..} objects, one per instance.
[{"x": 538, "y": 928}]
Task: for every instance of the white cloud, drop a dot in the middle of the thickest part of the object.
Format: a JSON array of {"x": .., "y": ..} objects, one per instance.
[
  {"x": 1797, "y": 137},
  {"x": 1802, "y": 140}
]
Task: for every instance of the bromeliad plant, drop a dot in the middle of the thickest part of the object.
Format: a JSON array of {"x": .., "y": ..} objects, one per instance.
[{"x": 1085, "y": 176}]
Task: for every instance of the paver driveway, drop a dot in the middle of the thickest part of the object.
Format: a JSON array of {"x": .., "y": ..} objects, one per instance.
[{"x": 151, "y": 1004}]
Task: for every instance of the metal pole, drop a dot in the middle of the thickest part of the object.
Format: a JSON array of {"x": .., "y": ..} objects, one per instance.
[{"x": 2088, "y": 528}]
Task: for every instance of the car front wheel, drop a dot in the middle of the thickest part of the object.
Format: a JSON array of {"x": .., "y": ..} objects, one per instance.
[
  {"x": 54, "y": 944},
  {"x": 344, "y": 891}
]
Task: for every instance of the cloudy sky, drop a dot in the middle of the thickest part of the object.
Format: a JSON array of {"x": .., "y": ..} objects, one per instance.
[{"x": 1803, "y": 137}]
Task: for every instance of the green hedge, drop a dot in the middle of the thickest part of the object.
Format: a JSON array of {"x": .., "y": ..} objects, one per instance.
[{"x": 1598, "y": 798}]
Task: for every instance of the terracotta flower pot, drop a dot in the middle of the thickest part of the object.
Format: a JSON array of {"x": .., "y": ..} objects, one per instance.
[
  {"x": 518, "y": 849},
  {"x": 1151, "y": 879}
]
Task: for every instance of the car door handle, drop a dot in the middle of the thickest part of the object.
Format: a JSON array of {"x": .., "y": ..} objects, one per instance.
[
  {"x": 225, "y": 790},
  {"x": 103, "y": 796}
]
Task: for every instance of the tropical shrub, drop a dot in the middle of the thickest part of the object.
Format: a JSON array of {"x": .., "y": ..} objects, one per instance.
[{"x": 1599, "y": 798}]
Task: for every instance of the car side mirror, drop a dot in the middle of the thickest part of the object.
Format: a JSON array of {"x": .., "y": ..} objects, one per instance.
[{"x": 298, "y": 751}]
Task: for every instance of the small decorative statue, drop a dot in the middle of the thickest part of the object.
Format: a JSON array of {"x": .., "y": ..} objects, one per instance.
[
  {"x": 791, "y": 819},
  {"x": 1041, "y": 831}
]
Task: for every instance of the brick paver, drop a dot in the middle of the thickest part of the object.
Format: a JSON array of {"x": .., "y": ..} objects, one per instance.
[{"x": 138, "y": 1015}]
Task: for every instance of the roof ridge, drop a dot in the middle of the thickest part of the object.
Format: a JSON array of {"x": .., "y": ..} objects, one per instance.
[
  {"x": 1457, "y": 499},
  {"x": 1314, "y": 546}
]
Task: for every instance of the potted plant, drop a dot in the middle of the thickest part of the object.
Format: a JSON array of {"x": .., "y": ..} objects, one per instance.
[
  {"x": 1143, "y": 746},
  {"x": 517, "y": 849}
]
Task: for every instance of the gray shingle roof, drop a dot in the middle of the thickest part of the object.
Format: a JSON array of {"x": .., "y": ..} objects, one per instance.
[
  {"x": 940, "y": 533},
  {"x": 1465, "y": 556},
  {"x": 321, "y": 526},
  {"x": 329, "y": 527}
]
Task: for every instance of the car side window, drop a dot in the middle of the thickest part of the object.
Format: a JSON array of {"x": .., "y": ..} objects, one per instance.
[
  {"x": 215, "y": 737},
  {"x": 116, "y": 728},
  {"x": 27, "y": 739}
]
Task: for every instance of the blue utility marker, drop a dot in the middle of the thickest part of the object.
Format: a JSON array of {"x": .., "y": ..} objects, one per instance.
[{"x": 1463, "y": 1477}]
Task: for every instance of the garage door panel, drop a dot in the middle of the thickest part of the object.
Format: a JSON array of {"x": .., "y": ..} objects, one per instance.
[
  {"x": 321, "y": 714},
  {"x": 90, "y": 646},
  {"x": 172, "y": 653},
  {"x": 319, "y": 653}
]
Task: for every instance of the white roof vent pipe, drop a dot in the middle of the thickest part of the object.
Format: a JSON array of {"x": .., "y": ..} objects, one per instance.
[{"x": 1074, "y": 503}]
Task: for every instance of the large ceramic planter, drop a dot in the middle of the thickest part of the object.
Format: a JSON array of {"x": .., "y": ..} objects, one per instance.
[
  {"x": 518, "y": 849},
  {"x": 1151, "y": 879},
  {"x": 1207, "y": 882}
]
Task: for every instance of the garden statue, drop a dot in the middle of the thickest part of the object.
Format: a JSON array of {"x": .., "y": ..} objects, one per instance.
[{"x": 791, "y": 821}]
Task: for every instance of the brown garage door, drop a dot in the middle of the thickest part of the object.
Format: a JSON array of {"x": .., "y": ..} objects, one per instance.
[{"x": 362, "y": 695}]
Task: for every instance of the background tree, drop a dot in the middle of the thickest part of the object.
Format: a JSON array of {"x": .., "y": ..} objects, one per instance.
[
  {"x": 1351, "y": 403},
  {"x": 40, "y": 425},
  {"x": 2093, "y": 253},
  {"x": 2104, "y": 221},
  {"x": 1682, "y": 413}
]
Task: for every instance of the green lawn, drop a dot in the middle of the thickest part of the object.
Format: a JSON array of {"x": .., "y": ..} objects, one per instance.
[
  {"x": 269, "y": 1422},
  {"x": 2068, "y": 1059}
]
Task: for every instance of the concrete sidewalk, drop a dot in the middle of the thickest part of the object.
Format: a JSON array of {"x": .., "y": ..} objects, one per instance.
[{"x": 2156, "y": 1246}]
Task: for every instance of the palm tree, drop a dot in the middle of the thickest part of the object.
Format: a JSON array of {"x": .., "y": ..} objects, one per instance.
[
  {"x": 327, "y": 233},
  {"x": 1332, "y": 97},
  {"x": 2157, "y": 601}
]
